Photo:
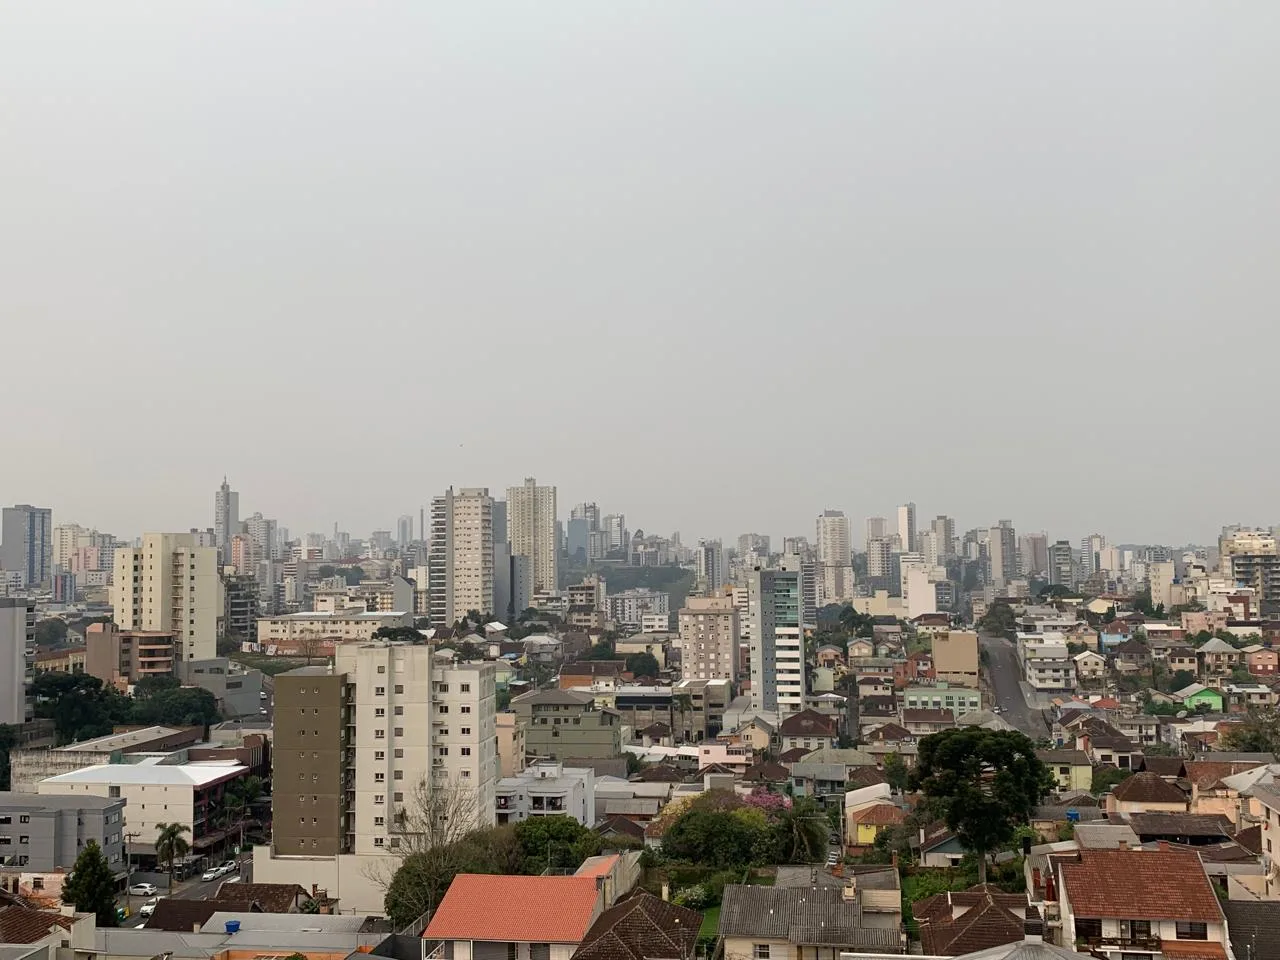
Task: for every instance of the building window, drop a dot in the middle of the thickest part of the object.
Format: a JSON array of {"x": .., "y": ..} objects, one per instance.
[
  {"x": 399, "y": 753},
  {"x": 466, "y": 688},
  {"x": 381, "y": 668},
  {"x": 466, "y": 708},
  {"x": 379, "y": 821},
  {"x": 466, "y": 731},
  {"x": 379, "y": 734},
  {"x": 399, "y": 711},
  {"x": 379, "y": 712},
  {"x": 760, "y": 951},
  {"x": 1188, "y": 930},
  {"x": 399, "y": 731},
  {"x": 378, "y": 841},
  {"x": 466, "y": 751},
  {"x": 379, "y": 754},
  {"x": 398, "y": 775},
  {"x": 379, "y": 798},
  {"x": 24, "y": 819},
  {"x": 379, "y": 777},
  {"x": 379, "y": 691},
  {"x": 399, "y": 688}
]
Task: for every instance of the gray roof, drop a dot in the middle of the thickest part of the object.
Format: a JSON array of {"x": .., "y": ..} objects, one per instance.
[
  {"x": 804, "y": 770},
  {"x": 570, "y": 697},
  {"x": 1103, "y": 836},
  {"x": 1255, "y": 928},
  {"x": 799, "y": 915},
  {"x": 1026, "y": 950},
  {"x": 844, "y": 755}
]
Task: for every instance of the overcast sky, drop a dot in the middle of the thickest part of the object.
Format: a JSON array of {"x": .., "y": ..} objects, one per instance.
[{"x": 715, "y": 265}]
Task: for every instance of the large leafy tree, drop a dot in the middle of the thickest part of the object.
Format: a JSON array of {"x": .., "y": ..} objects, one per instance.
[
  {"x": 556, "y": 841},
  {"x": 91, "y": 886},
  {"x": 643, "y": 665},
  {"x": 802, "y": 831},
  {"x": 171, "y": 845},
  {"x": 987, "y": 782},
  {"x": 722, "y": 839}
]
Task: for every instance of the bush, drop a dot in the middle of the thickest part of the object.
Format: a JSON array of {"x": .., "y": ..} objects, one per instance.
[{"x": 695, "y": 897}]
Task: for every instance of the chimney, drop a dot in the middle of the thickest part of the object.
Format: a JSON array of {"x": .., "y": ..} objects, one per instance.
[
  {"x": 1123, "y": 844},
  {"x": 849, "y": 892}
]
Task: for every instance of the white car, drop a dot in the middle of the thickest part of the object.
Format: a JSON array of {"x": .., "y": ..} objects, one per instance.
[
  {"x": 262, "y": 694},
  {"x": 143, "y": 890},
  {"x": 228, "y": 866},
  {"x": 148, "y": 908},
  {"x": 213, "y": 874}
]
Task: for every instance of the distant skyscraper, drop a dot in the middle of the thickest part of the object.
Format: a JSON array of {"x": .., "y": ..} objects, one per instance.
[
  {"x": 588, "y": 512},
  {"x": 1061, "y": 566},
  {"x": 615, "y": 525},
  {"x": 1091, "y": 548},
  {"x": 907, "y": 526},
  {"x": 1003, "y": 551},
  {"x": 835, "y": 558},
  {"x": 776, "y": 634},
  {"x": 880, "y": 562},
  {"x": 226, "y": 518},
  {"x": 754, "y": 543},
  {"x": 1033, "y": 554},
  {"x": 877, "y": 528},
  {"x": 944, "y": 528},
  {"x": 404, "y": 530},
  {"x": 531, "y": 528},
  {"x": 26, "y": 542},
  {"x": 17, "y": 637},
  {"x": 461, "y": 557},
  {"x": 710, "y": 560}
]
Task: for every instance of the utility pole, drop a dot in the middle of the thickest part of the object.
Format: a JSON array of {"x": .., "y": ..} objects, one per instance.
[{"x": 128, "y": 865}]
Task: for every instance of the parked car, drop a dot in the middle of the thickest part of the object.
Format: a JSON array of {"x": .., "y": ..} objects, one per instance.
[
  {"x": 262, "y": 711},
  {"x": 143, "y": 890},
  {"x": 213, "y": 873},
  {"x": 229, "y": 866},
  {"x": 149, "y": 907},
  {"x": 262, "y": 694}
]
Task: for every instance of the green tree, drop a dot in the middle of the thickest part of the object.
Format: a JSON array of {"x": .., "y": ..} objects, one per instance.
[
  {"x": 80, "y": 706},
  {"x": 643, "y": 665},
  {"x": 1181, "y": 679},
  {"x": 183, "y": 706},
  {"x": 353, "y": 575},
  {"x": 556, "y": 841},
  {"x": 149, "y": 687},
  {"x": 1105, "y": 779},
  {"x": 409, "y": 634},
  {"x": 802, "y": 832},
  {"x": 1259, "y": 732},
  {"x": 424, "y": 875},
  {"x": 999, "y": 619},
  {"x": 988, "y": 781},
  {"x": 717, "y": 838},
  {"x": 603, "y": 650},
  {"x": 171, "y": 845},
  {"x": 91, "y": 887},
  {"x": 8, "y": 740},
  {"x": 895, "y": 771},
  {"x": 51, "y": 632}
]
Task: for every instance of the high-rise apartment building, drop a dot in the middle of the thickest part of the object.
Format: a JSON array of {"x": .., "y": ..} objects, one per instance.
[
  {"x": 776, "y": 604},
  {"x": 531, "y": 528},
  {"x": 66, "y": 541},
  {"x": 17, "y": 654},
  {"x": 1002, "y": 548},
  {"x": 880, "y": 562},
  {"x": 709, "y": 557},
  {"x": 1091, "y": 548},
  {"x": 615, "y": 525},
  {"x": 226, "y": 518},
  {"x": 930, "y": 548},
  {"x": 1033, "y": 554},
  {"x": 26, "y": 542},
  {"x": 877, "y": 528},
  {"x": 753, "y": 545},
  {"x": 1062, "y": 564},
  {"x": 1251, "y": 558},
  {"x": 709, "y": 634},
  {"x": 368, "y": 747},
  {"x": 835, "y": 558},
  {"x": 589, "y": 512},
  {"x": 944, "y": 530},
  {"x": 263, "y": 532},
  {"x": 404, "y": 530},
  {"x": 461, "y": 556},
  {"x": 907, "y": 526},
  {"x": 170, "y": 585}
]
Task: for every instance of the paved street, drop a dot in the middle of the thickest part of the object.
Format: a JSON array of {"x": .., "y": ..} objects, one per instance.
[{"x": 1006, "y": 680}]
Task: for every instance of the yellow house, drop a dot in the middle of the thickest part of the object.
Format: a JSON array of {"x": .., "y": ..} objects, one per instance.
[
  {"x": 757, "y": 733},
  {"x": 1071, "y": 769},
  {"x": 864, "y": 824}
]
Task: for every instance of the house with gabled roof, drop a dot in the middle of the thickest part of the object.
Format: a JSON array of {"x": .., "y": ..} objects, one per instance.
[
  {"x": 782, "y": 922},
  {"x": 1146, "y": 793},
  {"x": 965, "y": 921},
  {"x": 642, "y": 927}
]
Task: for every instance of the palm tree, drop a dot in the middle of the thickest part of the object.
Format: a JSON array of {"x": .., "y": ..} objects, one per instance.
[{"x": 171, "y": 845}]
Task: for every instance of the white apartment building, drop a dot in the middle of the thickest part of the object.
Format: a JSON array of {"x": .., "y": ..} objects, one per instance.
[
  {"x": 835, "y": 558},
  {"x": 170, "y": 584},
  {"x": 547, "y": 788},
  {"x": 17, "y": 650},
  {"x": 907, "y": 526},
  {"x": 709, "y": 558},
  {"x": 709, "y": 633},
  {"x": 531, "y": 529},
  {"x": 1048, "y": 667},
  {"x": 226, "y": 519},
  {"x": 417, "y": 720},
  {"x": 461, "y": 555},
  {"x": 629, "y": 607},
  {"x": 775, "y": 605},
  {"x": 349, "y": 623}
]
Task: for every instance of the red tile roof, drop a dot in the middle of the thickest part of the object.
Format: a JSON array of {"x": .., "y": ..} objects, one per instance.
[
  {"x": 1193, "y": 950},
  {"x": 880, "y": 814},
  {"x": 808, "y": 723},
  {"x": 25, "y": 925},
  {"x": 513, "y": 908},
  {"x": 1147, "y": 788},
  {"x": 1165, "y": 884}
]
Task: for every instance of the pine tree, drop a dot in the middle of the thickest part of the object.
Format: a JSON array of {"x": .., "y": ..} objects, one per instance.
[{"x": 91, "y": 886}]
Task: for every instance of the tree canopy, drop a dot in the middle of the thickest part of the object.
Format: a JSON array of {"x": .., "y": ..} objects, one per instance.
[
  {"x": 91, "y": 887},
  {"x": 643, "y": 665},
  {"x": 999, "y": 619},
  {"x": 987, "y": 782}
]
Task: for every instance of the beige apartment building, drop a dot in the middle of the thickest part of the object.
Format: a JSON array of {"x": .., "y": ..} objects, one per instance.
[
  {"x": 955, "y": 658},
  {"x": 170, "y": 585},
  {"x": 461, "y": 560},
  {"x": 348, "y": 624},
  {"x": 709, "y": 632},
  {"x": 531, "y": 528},
  {"x": 511, "y": 749}
]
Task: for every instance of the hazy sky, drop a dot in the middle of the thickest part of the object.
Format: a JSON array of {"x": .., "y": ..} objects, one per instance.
[{"x": 716, "y": 265}]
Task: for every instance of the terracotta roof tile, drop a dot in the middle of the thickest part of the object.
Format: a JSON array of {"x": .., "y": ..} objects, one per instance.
[
  {"x": 1164, "y": 884},
  {"x": 641, "y": 927},
  {"x": 533, "y": 909},
  {"x": 181, "y": 916},
  {"x": 272, "y": 897},
  {"x": 25, "y": 925},
  {"x": 1193, "y": 950},
  {"x": 808, "y": 723},
  {"x": 1205, "y": 773},
  {"x": 988, "y": 920},
  {"x": 880, "y": 814}
]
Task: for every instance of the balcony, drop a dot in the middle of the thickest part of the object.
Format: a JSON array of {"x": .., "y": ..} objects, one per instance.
[{"x": 1146, "y": 944}]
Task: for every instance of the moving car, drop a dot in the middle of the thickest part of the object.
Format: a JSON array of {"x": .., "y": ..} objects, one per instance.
[
  {"x": 229, "y": 866},
  {"x": 143, "y": 890},
  {"x": 149, "y": 907},
  {"x": 213, "y": 873}
]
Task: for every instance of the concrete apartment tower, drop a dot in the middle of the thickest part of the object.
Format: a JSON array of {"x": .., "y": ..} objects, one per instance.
[
  {"x": 170, "y": 585},
  {"x": 461, "y": 558},
  {"x": 835, "y": 558},
  {"x": 361, "y": 740},
  {"x": 709, "y": 632},
  {"x": 531, "y": 529},
  {"x": 776, "y": 635},
  {"x": 17, "y": 652},
  {"x": 26, "y": 542},
  {"x": 709, "y": 559},
  {"x": 226, "y": 519},
  {"x": 907, "y": 527}
]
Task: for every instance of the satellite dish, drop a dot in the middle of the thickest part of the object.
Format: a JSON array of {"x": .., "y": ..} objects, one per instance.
[{"x": 1181, "y": 714}]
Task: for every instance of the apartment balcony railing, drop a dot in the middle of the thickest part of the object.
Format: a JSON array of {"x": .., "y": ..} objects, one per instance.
[{"x": 1124, "y": 943}]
